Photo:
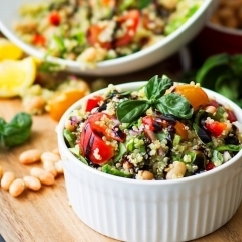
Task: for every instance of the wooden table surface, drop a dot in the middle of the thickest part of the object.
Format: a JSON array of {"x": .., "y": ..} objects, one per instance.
[{"x": 45, "y": 215}]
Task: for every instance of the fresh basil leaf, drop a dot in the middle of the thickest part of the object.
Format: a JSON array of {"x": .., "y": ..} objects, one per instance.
[
  {"x": 156, "y": 87},
  {"x": 235, "y": 64},
  {"x": 143, "y": 3},
  {"x": 211, "y": 69},
  {"x": 176, "y": 105},
  {"x": 130, "y": 110},
  {"x": 224, "y": 87},
  {"x": 17, "y": 131},
  {"x": 17, "y": 138},
  {"x": 2, "y": 123}
]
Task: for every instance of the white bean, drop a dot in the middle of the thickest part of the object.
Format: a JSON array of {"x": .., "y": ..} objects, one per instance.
[
  {"x": 48, "y": 155},
  {"x": 44, "y": 176},
  {"x": 30, "y": 156},
  {"x": 32, "y": 183},
  {"x": 7, "y": 179},
  {"x": 17, "y": 187},
  {"x": 177, "y": 169}
]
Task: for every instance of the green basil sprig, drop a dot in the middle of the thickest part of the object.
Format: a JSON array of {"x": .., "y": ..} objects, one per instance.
[
  {"x": 171, "y": 103},
  {"x": 17, "y": 131}
]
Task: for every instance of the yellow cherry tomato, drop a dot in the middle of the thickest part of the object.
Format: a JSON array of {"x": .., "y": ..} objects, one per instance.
[
  {"x": 181, "y": 130},
  {"x": 64, "y": 98},
  {"x": 194, "y": 94}
]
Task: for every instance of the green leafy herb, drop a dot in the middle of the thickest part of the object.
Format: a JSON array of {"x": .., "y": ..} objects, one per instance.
[
  {"x": 171, "y": 103},
  {"x": 223, "y": 73},
  {"x": 17, "y": 131},
  {"x": 114, "y": 171},
  {"x": 143, "y": 3},
  {"x": 69, "y": 137}
]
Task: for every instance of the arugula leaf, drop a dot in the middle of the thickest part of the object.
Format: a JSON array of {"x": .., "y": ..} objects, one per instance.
[
  {"x": 17, "y": 131},
  {"x": 130, "y": 110},
  {"x": 176, "y": 105}
]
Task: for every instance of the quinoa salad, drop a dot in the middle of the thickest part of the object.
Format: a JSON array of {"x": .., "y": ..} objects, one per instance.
[
  {"x": 91, "y": 31},
  {"x": 164, "y": 130}
]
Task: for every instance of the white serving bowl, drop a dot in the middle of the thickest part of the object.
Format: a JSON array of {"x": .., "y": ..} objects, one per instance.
[
  {"x": 137, "y": 61},
  {"x": 155, "y": 210}
]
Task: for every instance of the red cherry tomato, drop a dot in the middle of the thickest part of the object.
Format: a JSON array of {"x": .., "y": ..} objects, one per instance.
[
  {"x": 93, "y": 34},
  {"x": 147, "y": 120},
  {"x": 231, "y": 116},
  {"x": 216, "y": 128},
  {"x": 210, "y": 166},
  {"x": 130, "y": 20},
  {"x": 54, "y": 18},
  {"x": 93, "y": 103},
  {"x": 93, "y": 147},
  {"x": 99, "y": 122},
  {"x": 39, "y": 40}
]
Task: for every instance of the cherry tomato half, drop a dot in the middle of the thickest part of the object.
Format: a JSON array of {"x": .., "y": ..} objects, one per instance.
[
  {"x": 93, "y": 34},
  {"x": 99, "y": 122},
  {"x": 39, "y": 40},
  {"x": 194, "y": 94},
  {"x": 54, "y": 18},
  {"x": 147, "y": 120},
  {"x": 216, "y": 128},
  {"x": 130, "y": 20},
  {"x": 93, "y": 103},
  {"x": 94, "y": 147}
]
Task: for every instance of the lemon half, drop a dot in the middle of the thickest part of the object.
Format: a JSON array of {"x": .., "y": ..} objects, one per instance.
[
  {"x": 16, "y": 75},
  {"x": 9, "y": 51}
]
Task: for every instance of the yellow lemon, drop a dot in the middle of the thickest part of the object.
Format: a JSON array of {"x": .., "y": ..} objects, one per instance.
[
  {"x": 16, "y": 75},
  {"x": 9, "y": 50}
]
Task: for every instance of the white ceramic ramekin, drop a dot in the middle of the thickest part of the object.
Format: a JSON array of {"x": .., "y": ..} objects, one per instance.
[{"x": 155, "y": 211}]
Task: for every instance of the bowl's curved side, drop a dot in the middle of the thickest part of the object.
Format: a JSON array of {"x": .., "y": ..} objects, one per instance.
[
  {"x": 133, "y": 210},
  {"x": 137, "y": 61}
]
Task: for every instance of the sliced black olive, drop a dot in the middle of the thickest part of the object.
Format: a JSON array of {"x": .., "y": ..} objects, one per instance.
[
  {"x": 169, "y": 118},
  {"x": 231, "y": 140},
  {"x": 204, "y": 135},
  {"x": 200, "y": 161},
  {"x": 102, "y": 107}
]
